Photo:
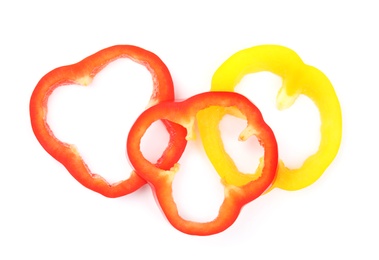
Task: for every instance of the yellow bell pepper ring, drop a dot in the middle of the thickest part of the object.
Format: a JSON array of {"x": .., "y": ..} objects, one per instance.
[{"x": 298, "y": 78}]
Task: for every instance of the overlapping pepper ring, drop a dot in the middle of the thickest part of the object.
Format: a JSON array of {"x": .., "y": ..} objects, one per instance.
[
  {"x": 184, "y": 113},
  {"x": 298, "y": 78},
  {"x": 82, "y": 73}
]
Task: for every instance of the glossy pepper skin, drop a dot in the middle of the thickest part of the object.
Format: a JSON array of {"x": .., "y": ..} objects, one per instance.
[
  {"x": 298, "y": 78},
  {"x": 184, "y": 113},
  {"x": 82, "y": 73}
]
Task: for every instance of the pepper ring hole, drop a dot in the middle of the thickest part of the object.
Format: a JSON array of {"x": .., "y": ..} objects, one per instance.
[{"x": 97, "y": 118}]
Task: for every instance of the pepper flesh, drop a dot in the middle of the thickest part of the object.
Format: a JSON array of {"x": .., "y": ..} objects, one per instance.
[
  {"x": 298, "y": 78},
  {"x": 184, "y": 113},
  {"x": 82, "y": 73}
]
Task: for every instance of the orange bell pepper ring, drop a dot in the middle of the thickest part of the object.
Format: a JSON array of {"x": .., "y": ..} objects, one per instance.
[
  {"x": 184, "y": 113},
  {"x": 298, "y": 78}
]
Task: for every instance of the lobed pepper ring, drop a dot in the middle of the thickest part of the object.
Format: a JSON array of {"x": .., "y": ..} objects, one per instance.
[
  {"x": 82, "y": 73},
  {"x": 298, "y": 78},
  {"x": 184, "y": 113}
]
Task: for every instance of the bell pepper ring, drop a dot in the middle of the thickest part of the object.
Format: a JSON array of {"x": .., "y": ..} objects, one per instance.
[
  {"x": 82, "y": 73},
  {"x": 298, "y": 78},
  {"x": 184, "y": 113}
]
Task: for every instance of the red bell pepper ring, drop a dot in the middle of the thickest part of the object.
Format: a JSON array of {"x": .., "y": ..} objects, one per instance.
[
  {"x": 82, "y": 73},
  {"x": 184, "y": 113}
]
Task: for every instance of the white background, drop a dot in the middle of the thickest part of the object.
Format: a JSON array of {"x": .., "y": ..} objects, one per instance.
[{"x": 46, "y": 214}]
